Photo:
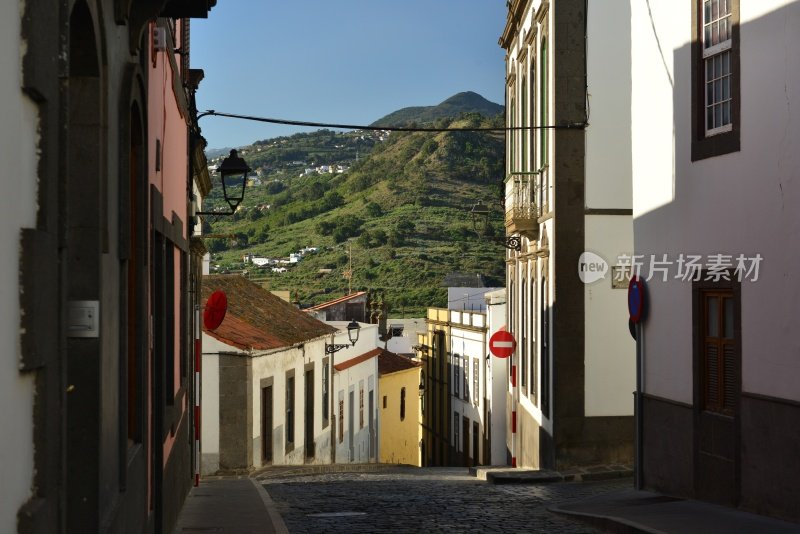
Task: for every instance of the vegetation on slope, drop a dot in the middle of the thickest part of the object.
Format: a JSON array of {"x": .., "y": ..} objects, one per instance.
[{"x": 399, "y": 213}]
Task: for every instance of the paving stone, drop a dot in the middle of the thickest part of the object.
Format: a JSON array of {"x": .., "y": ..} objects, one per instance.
[{"x": 406, "y": 499}]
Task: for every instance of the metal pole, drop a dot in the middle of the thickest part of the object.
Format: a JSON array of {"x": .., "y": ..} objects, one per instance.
[{"x": 639, "y": 475}]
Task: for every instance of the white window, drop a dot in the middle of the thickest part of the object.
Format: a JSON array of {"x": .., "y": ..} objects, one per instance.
[{"x": 717, "y": 42}]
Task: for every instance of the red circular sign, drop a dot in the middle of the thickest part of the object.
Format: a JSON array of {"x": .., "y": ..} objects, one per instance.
[
  {"x": 502, "y": 344},
  {"x": 216, "y": 307}
]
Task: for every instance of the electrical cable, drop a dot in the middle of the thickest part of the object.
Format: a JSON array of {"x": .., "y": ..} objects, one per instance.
[{"x": 569, "y": 126}]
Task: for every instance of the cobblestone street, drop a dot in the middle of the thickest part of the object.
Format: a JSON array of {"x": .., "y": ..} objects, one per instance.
[{"x": 405, "y": 499}]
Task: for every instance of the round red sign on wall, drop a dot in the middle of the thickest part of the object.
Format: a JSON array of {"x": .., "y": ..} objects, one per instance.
[
  {"x": 502, "y": 344},
  {"x": 216, "y": 307}
]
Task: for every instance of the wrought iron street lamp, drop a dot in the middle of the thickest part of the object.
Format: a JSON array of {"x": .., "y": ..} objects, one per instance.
[
  {"x": 353, "y": 330},
  {"x": 233, "y": 175}
]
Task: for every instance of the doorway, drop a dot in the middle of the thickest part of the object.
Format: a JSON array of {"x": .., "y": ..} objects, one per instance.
[
  {"x": 465, "y": 442},
  {"x": 475, "y": 444},
  {"x": 309, "y": 427},
  {"x": 371, "y": 422},
  {"x": 350, "y": 430},
  {"x": 266, "y": 425}
]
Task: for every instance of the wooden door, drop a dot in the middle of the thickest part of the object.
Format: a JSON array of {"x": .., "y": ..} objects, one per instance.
[{"x": 266, "y": 425}]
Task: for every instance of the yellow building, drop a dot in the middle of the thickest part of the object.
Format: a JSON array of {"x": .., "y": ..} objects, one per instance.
[{"x": 400, "y": 422}]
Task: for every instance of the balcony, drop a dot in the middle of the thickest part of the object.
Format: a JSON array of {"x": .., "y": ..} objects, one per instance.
[{"x": 522, "y": 209}]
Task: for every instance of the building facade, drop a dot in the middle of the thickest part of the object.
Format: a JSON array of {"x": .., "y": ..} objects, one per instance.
[
  {"x": 568, "y": 201},
  {"x": 433, "y": 349},
  {"x": 357, "y": 390},
  {"x": 400, "y": 415},
  {"x": 460, "y": 381},
  {"x": 101, "y": 395},
  {"x": 469, "y": 439},
  {"x": 715, "y": 168}
]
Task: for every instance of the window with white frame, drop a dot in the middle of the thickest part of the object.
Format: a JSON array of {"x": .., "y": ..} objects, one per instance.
[
  {"x": 466, "y": 378},
  {"x": 717, "y": 41}
]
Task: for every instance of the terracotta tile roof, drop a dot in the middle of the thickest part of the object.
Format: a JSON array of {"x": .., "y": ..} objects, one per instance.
[
  {"x": 390, "y": 362},
  {"x": 257, "y": 319},
  {"x": 358, "y": 359},
  {"x": 336, "y": 301}
]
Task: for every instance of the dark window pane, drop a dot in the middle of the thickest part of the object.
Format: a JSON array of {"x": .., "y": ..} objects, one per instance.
[{"x": 712, "y": 314}]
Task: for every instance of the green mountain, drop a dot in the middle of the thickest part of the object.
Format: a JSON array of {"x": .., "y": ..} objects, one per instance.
[
  {"x": 461, "y": 103},
  {"x": 398, "y": 213}
]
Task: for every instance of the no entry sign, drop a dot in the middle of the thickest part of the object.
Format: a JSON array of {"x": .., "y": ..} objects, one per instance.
[{"x": 502, "y": 344}]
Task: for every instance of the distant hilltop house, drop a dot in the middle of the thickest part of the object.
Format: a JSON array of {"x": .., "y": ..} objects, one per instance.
[
  {"x": 325, "y": 169},
  {"x": 293, "y": 258}
]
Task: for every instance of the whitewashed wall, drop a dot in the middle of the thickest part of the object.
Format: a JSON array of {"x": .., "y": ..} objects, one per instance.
[
  {"x": 364, "y": 375},
  {"x": 471, "y": 344},
  {"x": 18, "y": 145},
  {"x": 209, "y": 403},
  {"x": 610, "y": 351},
  {"x": 739, "y": 203},
  {"x": 275, "y": 364}
]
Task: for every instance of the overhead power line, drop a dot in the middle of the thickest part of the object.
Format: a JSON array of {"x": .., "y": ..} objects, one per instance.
[{"x": 569, "y": 126}]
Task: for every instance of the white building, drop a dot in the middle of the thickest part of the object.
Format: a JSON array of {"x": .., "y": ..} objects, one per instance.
[
  {"x": 715, "y": 164},
  {"x": 355, "y": 383},
  {"x": 568, "y": 191},
  {"x": 265, "y": 378},
  {"x": 468, "y": 388}
]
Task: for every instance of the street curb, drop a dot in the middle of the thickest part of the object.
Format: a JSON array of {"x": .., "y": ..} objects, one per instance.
[
  {"x": 269, "y": 504},
  {"x": 506, "y": 475},
  {"x": 613, "y": 524}
]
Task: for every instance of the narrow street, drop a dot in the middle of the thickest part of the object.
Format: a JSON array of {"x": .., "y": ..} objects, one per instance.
[{"x": 406, "y": 499}]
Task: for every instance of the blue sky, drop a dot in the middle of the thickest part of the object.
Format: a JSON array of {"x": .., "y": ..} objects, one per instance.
[{"x": 340, "y": 61}]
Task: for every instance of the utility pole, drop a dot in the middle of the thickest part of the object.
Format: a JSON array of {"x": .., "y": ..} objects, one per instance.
[{"x": 349, "y": 272}]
